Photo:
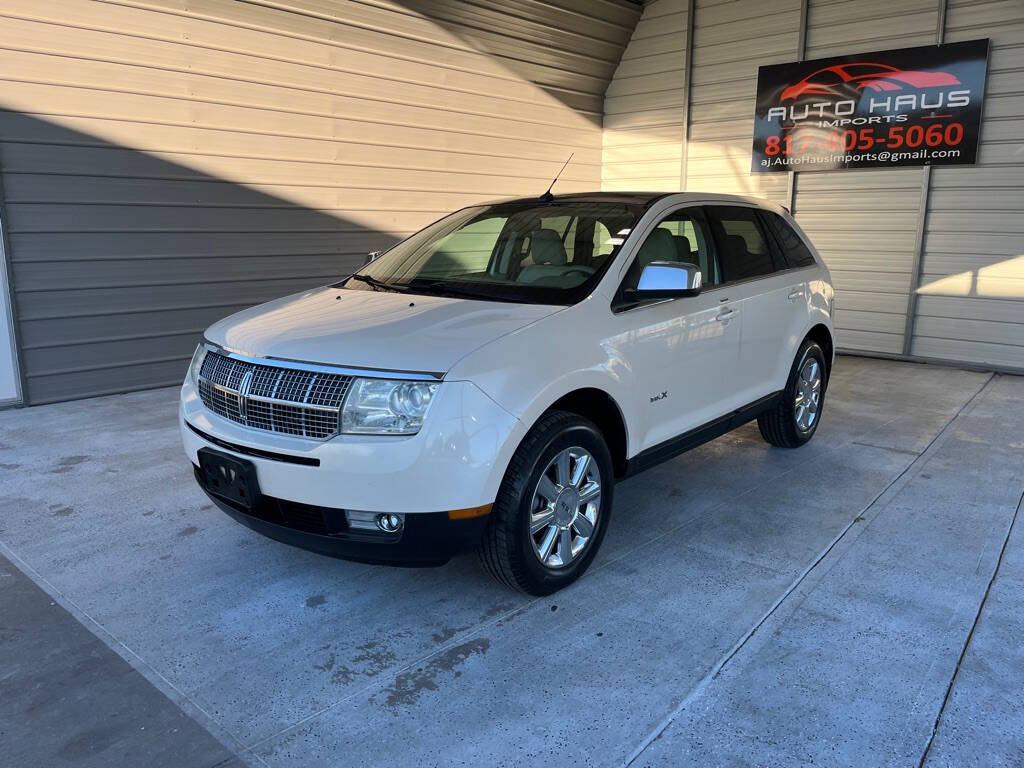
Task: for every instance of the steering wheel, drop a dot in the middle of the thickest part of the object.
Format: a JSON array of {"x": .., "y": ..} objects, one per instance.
[{"x": 580, "y": 270}]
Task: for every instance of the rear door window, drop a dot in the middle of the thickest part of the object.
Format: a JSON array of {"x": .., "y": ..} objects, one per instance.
[
  {"x": 794, "y": 249},
  {"x": 743, "y": 250}
]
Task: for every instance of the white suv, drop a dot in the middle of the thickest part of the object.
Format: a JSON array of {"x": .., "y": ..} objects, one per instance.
[{"x": 484, "y": 383}]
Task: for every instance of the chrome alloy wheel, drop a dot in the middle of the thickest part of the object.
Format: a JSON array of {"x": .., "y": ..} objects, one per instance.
[
  {"x": 808, "y": 395},
  {"x": 566, "y": 502}
]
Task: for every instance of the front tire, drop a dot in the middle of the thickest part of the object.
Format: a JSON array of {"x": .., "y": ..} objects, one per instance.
[
  {"x": 795, "y": 419},
  {"x": 553, "y": 506}
]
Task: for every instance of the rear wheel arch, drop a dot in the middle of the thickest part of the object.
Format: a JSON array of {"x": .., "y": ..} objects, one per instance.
[
  {"x": 823, "y": 337},
  {"x": 803, "y": 395}
]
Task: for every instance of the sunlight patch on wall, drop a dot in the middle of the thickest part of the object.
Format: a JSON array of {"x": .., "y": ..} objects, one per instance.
[{"x": 1002, "y": 280}]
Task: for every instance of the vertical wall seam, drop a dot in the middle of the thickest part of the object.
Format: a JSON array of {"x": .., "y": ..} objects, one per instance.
[
  {"x": 922, "y": 216},
  {"x": 10, "y": 306},
  {"x": 801, "y": 52},
  {"x": 916, "y": 263},
  {"x": 691, "y": 9}
]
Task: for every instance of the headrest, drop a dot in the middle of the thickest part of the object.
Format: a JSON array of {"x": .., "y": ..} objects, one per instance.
[
  {"x": 659, "y": 246},
  {"x": 683, "y": 247},
  {"x": 546, "y": 248},
  {"x": 736, "y": 244}
]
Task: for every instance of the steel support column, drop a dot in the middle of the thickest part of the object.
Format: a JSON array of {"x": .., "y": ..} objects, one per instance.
[
  {"x": 801, "y": 53},
  {"x": 687, "y": 87},
  {"x": 922, "y": 217}
]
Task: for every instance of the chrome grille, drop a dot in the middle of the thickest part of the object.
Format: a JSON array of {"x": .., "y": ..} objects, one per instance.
[{"x": 286, "y": 400}]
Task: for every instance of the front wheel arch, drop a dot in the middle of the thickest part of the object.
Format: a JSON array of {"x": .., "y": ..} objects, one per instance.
[
  {"x": 599, "y": 407},
  {"x": 505, "y": 550}
]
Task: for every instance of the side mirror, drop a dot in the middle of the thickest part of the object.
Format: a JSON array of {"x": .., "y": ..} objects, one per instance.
[
  {"x": 372, "y": 256},
  {"x": 665, "y": 280}
]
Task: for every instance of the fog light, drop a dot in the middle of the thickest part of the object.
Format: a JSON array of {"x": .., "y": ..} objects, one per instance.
[
  {"x": 375, "y": 521},
  {"x": 390, "y": 523},
  {"x": 361, "y": 521}
]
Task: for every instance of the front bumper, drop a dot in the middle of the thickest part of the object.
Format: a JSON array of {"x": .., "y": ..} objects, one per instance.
[
  {"x": 425, "y": 539},
  {"x": 457, "y": 461}
]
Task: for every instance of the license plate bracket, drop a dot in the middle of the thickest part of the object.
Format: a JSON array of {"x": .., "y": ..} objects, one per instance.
[{"x": 230, "y": 478}]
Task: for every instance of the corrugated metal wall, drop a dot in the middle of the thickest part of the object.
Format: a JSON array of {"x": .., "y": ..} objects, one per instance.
[
  {"x": 646, "y": 111},
  {"x": 646, "y": 102},
  {"x": 165, "y": 163},
  {"x": 971, "y": 297},
  {"x": 731, "y": 40},
  {"x": 867, "y": 224}
]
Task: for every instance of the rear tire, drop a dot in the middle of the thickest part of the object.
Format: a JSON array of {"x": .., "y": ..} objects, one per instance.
[
  {"x": 553, "y": 506},
  {"x": 795, "y": 419}
]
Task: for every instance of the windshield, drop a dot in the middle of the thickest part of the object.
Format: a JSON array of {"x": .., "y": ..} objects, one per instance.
[{"x": 537, "y": 253}]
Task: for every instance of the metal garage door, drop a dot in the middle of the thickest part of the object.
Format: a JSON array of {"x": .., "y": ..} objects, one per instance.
[
  {"x": 970, "y": 303},
  {"x": 865, "y": 222},
  {"x": 166, "y": 164}
]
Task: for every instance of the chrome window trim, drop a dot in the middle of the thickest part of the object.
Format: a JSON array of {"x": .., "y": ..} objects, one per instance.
[
  {"x": 645, "y": 305},
  {"x": 363, "y": 373},
  {"x": 768, "y": 276},
  {"x": 716, "y": 287}
]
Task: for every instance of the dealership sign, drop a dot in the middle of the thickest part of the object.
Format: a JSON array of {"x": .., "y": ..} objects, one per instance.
[{"x": 913, "y": 106}]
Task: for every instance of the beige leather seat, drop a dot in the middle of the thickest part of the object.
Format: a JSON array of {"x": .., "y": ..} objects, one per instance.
[
  {"x": 548, "y": 254},
  {"x": 660, "y": 245}
]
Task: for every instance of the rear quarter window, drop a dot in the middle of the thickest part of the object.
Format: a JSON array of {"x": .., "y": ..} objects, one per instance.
[{"x": 794, "y": 249}]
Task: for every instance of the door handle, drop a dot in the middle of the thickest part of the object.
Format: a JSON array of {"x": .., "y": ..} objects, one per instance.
[
  {"x": 795, "y": 294},
  {"x": 724, "y": 314}
]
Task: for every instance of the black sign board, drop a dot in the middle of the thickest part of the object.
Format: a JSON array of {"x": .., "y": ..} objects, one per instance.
[{"x": 913, "y": 106}]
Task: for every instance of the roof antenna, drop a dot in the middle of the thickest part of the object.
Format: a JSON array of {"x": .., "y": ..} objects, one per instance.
[{"x": 547, "y": 197}]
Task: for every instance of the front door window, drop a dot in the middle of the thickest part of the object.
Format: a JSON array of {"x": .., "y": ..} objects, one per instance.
[{"x": 679, "y": 238}]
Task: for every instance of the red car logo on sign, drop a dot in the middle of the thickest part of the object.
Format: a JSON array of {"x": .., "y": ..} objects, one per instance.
[{"x": 839, "y": 78}]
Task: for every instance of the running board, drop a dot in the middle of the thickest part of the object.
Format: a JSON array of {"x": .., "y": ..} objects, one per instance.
[{"x": 674, "y": 446}]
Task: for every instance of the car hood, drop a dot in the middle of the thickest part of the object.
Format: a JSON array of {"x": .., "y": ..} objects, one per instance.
[{"x": 368, "y": 329}]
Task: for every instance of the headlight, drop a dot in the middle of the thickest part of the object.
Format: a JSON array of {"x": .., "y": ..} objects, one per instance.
[
  {"x": 386, "y": 406},
  {"x": 196, "y": 365}
]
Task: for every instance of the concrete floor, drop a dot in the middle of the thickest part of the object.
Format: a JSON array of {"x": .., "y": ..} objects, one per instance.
[{"x": 859, "y": 601}]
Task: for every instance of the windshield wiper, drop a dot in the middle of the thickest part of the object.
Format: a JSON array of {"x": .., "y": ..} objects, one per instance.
[
  {"x": 379, "y": 285},
  {"x": 439, "y": 286}
]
